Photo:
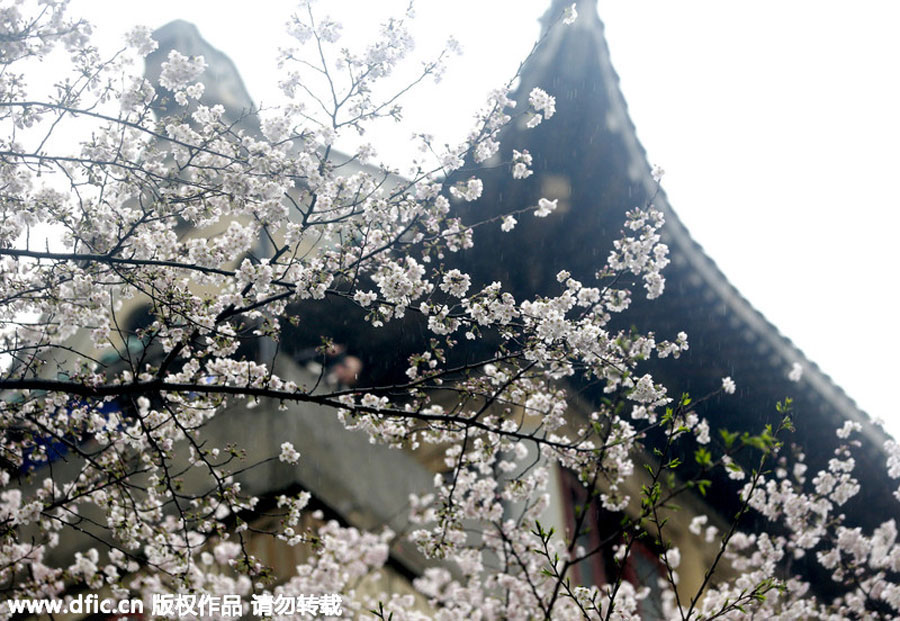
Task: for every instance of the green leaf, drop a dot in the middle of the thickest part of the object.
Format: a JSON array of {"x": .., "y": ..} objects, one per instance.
[
  {"x": 728, "y": 437},
  {"x": 703, "y": 485},
  {"x": 703, "y": 457}
]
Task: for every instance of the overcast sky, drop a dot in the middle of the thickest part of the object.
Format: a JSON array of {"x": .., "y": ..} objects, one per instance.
[{"x": 777, "y": 123}]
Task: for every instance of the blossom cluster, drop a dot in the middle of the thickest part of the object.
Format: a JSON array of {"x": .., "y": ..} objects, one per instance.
[{"x": 184, "y": 248}]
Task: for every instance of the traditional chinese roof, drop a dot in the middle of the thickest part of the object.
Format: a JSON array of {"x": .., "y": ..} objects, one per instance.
[
  {"x": 222, "y": 82},
  {"x": 588, "y": 156}
]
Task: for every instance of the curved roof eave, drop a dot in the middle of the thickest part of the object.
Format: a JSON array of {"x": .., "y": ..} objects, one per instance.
[{"x": 675, "y": 232}]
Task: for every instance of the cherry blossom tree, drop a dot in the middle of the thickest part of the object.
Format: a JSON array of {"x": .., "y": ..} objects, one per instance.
[{"x": 106, "y": 177}]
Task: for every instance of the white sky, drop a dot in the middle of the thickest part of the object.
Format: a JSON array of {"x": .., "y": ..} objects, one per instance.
[{"x": 777, "y": 123}]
